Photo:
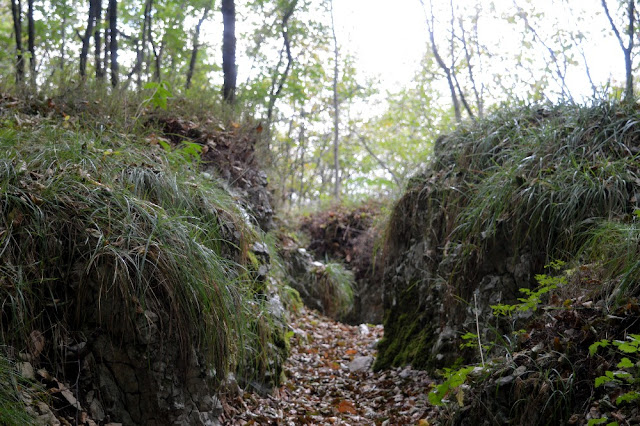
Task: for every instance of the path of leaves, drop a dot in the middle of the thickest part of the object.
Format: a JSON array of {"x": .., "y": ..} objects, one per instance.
[{"x": 324, "y": 385}]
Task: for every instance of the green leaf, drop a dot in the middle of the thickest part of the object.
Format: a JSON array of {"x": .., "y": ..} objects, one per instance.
[
  {"x": 625, "y": 347},
  {"x": 595, "y": 346},
  {"x": 627, "y": 397},
  {"x": 625, "y": 363}
]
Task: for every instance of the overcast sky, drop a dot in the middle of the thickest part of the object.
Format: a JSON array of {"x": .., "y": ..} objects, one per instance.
[{"x": 390, "y": 38}]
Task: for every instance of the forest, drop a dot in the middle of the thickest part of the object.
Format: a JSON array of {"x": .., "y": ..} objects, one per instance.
[{"x": 319, "y": 212}]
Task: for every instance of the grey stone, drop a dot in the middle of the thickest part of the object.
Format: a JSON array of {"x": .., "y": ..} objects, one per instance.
[
  {"x": 361, "y": 363},
  {"x": 26, "y": 370}
]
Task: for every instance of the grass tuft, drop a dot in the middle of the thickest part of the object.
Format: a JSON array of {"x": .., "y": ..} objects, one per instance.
[{"x": 90, "y": 219}]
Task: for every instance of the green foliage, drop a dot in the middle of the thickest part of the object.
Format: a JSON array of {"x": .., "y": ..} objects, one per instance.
[
  {"x": 185, "y": 154},
  {"x": 452, "y": 379},
  {"x": 615, "y": 246},
  {"x": 161, "y": 93},
  {"x": 533, "y": 298},
  {"x": 333, "y": 283},
  {"x": 601, "y": 421},
  {"x": 628, "y": 373}
]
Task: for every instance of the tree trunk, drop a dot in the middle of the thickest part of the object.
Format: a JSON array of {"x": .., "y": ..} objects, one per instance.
[
  {"x": 97, "y": 39},
  {"x": 448, "y": 71},
  {"x": 336, "y": 112},
  {"x": 32, "y": 44},
  {"x": 278, "y": 84},
  {"x": 196, "y": 45},
  {"x": 157, "y": 52},
  {"x": 229, "y": 51},
  {"x": 113, "y": 41},
  {"x": 628, "y": 58},
  {"x": 63, "y": 38},
  {"x": 628, "y": 49},
  {"x": 86, "y": 38},
  {"x": 16, "y": 12},
  {"x": 141, "y": 48}
]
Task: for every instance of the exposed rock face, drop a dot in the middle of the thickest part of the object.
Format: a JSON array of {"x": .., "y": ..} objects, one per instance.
[
  {"x": 431, "y": 285},
  {"x": 134, "y": 374}
]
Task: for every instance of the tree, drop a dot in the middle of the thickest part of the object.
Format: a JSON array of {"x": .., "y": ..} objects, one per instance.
[
  {"x": 457, "y": 40},
  {"x": 91, "y": 20},
  {"x": 16, "y": 12},
  {"x": 196, "y": 45},
  {"x": 628, "y": 48},
  {"x": 113, "y": 41},
  {"x": 31, "y": 33},
  {"x": 336, "y": 111},
  {"x": 229, "y": 68},
  {"x": 277, "y": 84},
  {"x": 97, "y": 40}
]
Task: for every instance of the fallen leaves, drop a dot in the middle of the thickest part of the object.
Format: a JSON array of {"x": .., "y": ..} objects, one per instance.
[
  {"x": 323, "y": 388},
  {"x": 346, "y": 407}
]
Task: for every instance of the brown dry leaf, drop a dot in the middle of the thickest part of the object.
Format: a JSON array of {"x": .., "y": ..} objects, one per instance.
[
  {"x": 346, "y": 407},
  {"x": 37, "y": 343},
  {"x": 351, "y": 352}
]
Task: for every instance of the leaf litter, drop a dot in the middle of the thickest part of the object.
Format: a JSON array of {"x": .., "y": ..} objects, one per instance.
[{"x": 329, "y": 381}]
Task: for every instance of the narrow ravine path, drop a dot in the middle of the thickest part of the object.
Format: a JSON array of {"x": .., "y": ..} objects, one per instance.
[{"x": 330, "y": 382}]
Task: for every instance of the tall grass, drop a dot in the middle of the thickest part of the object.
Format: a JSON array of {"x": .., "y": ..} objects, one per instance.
[
  {"x": 545, "y": 175},
  {"x": 13, "y": 410},
  {"x": 615, "y": 246},
  {"x": 88, "y": 220}
]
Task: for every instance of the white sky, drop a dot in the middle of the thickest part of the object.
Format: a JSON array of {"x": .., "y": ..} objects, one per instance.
[{"x": 389, "y": 38}]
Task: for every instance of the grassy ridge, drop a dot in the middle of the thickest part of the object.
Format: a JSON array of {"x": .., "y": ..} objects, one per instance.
[
  {"x": 555, "y": 183},
  {"x": 93, "y": 219}
]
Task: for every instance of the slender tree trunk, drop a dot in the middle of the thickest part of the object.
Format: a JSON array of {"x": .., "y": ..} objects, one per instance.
[
  {"x": 229, "y": 51},
  {"x": 336, "y": 111},
  {"x": 302, "y": 145},
  {"x": 436, "y": 53},
  {"x": 157, "y": 52},
  {"x": 141, "y": 48},
  {"x": 196, "y": 46},
  {"x": 278, "y": 84},
  {"x": 107, "y": 59},
  {"x": 16, "y": 12},
  {"x": 628, "y": 49},
  {"x": 63, "y": 38},
  {"x": 32, "y": 43},
  {"x": 86, "y": 38},
  {"x": 97, "y": 40},
  {"x": 628, "y": 58},
  {"x": 113, "y": 41}
]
